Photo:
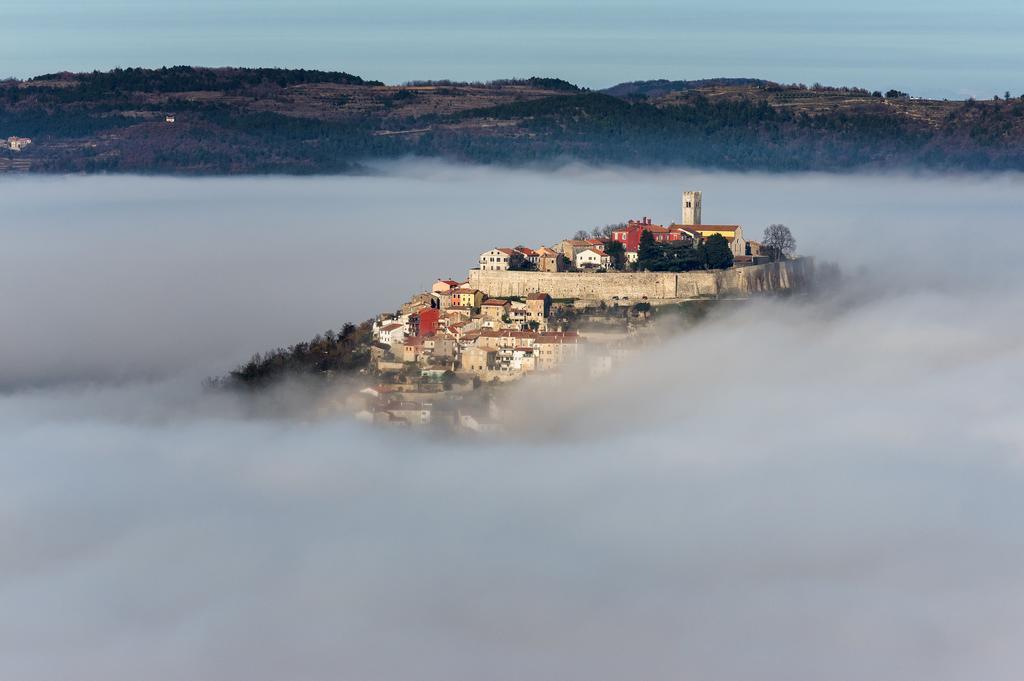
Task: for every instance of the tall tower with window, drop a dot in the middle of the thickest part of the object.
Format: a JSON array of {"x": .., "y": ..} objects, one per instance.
[{"x": 691, "y": 208}]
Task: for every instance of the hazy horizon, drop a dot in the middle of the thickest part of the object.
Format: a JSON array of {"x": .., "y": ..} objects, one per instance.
[{"x": 932, "y": 49}]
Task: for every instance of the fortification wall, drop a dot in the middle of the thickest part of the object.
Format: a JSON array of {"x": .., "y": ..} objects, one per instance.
[{"x": 655, "y": 286}]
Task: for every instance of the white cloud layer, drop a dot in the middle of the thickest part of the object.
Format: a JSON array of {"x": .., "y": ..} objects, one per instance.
[{"x": 803, "y": 490}]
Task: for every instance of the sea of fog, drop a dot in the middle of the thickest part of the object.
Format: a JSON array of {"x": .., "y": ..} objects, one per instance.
[{"x": 806, "y": 489}]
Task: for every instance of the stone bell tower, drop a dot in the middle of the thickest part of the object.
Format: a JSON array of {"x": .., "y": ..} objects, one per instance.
[{"x": 691, "y": 208}]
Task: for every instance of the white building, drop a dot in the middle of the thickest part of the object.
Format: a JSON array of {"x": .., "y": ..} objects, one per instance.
[
  {"x": 498, "y": 259},
  {"x": 390, "y": 334},
  {"x": 18, "y": 143},
  {"x": 390, "y": 330},
  {"x": 592, "y": 258}
]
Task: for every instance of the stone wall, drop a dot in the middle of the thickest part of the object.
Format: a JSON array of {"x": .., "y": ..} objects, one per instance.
[{"x": 655, "y": 286}]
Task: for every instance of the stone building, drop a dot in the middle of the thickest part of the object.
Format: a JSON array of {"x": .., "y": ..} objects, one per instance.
[
  {"x": 478, "y": 360},
  {"x": 549, "y": 263},
  {"x": 691, "y": 208},
  {"x": 538, "y": 305},
  {"x": 495, "y": 309}
]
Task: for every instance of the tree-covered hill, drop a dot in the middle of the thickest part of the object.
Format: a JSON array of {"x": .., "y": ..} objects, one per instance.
[{"x": 196, "y": 120}]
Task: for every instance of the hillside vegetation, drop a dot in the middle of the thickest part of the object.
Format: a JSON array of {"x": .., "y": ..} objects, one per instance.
[{"x": 233, "y": 121}]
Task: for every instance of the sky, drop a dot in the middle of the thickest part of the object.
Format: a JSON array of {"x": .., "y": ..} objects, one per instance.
[
  {"x": 800, "y": 489},
  {"x": 939, "y": 48}
]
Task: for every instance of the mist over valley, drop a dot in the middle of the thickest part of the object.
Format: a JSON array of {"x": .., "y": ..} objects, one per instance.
[{"x": 802, "y": 487}]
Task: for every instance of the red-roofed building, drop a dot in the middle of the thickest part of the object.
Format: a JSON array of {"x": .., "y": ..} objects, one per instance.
[
  {"x": 530, "y": 255},
  {"x": 444, "y": 285},
  {"x": 629, "y": 236}
]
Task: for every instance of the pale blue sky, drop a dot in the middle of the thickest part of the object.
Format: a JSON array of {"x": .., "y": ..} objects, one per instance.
[{"x": 935, "y": 48}]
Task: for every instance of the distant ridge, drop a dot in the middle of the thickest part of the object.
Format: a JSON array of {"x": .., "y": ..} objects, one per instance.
[
  {"x": 658, "y": 88},
  {"x": 234, "y": 121}
]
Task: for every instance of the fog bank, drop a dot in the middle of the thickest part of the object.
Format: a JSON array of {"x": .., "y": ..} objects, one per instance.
[
  {"x": 801, "y": 490},
  {"x": 115, "y": 278}
]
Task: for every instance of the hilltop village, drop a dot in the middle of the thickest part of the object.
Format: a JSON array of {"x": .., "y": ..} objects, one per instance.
[{"x": 584, "y": 302}]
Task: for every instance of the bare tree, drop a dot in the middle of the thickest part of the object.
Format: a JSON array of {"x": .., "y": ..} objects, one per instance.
[
  {"x": 606, "y": 231},
  {"x": 778, "y": 241},
  {"x": 581, "y": 235}
]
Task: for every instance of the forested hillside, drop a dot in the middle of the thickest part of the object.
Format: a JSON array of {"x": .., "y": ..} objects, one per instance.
[{"x": 232, "y": 121}]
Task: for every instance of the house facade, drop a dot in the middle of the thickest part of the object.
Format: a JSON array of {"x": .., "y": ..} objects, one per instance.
[
  {"x": 467, "y": 297},
  {"x": 18, "y": 143},
  {"x": 443, "y": 286},
  {"x": 477, "y": 359},
  {"x": 495, "y": 309},
  {"x": 732, "y": 233},
  {"x": 538, "y": 305},
  {"x": 591, "y": 258},
  {"x": 424, "y": 322},
  {"x": 391, "y": 334},
  {"x": 500, "y": 259}
]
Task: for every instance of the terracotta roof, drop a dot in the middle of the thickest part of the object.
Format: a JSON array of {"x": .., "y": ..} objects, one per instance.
[
  {"x": 526, "y": 251},
  {"x": 391, "y": 327},
  {"x": 712, "y": 228},
  {"x": 448, "y": 281},
  {"x": 495, "y": 301},
  {"x": 537, "y": 296},
  {"x": 689, "y": 229}
]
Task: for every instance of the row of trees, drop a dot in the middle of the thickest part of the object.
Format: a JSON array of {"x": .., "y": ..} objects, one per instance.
[
  {"x": 344, "y": 351},
  {"x": 712, "y": 254}
]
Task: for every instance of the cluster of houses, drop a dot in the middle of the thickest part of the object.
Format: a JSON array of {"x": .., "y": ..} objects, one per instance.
[
  {"x": 15, "y": 143},
  {"x": 436, "y": 358},
  {"x": 460, "y": 329},
  {"x": 591, "y": 254},
  {"x": 454, "y": 338}
]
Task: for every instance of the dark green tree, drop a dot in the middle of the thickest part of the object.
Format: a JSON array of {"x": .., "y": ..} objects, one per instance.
[
  {"x": 648, "y": 253},
  {"x": 679, "y": 257},
  {"x": 717, "y": 255},
  {"x": 617, "y": 252}
]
